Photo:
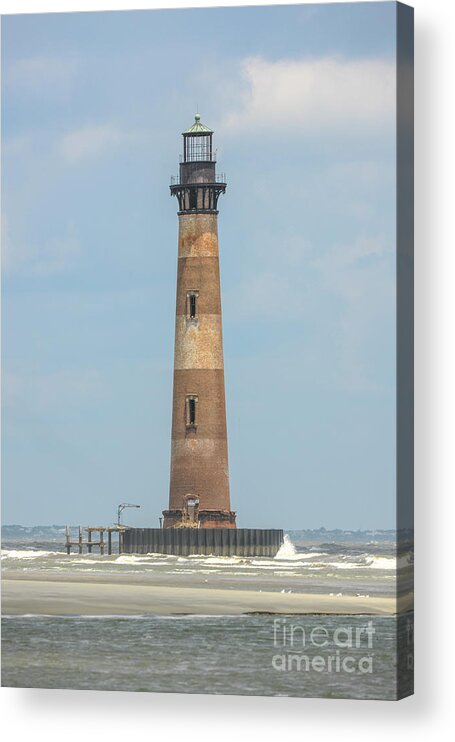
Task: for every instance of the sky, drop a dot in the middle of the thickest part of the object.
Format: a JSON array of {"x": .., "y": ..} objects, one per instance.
[{"x": 302, "y": 101}]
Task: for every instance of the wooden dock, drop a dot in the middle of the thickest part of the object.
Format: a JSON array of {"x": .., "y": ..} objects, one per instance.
[{"x": 89, "y": 542}]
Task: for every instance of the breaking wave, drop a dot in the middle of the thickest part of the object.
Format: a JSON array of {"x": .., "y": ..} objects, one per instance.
[
  {"x": 25, "y": 554},
  {"x": 287, "y": 549}
]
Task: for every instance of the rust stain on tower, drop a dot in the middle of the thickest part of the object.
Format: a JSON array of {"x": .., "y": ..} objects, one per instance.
[{"x": 199, "y": 484}]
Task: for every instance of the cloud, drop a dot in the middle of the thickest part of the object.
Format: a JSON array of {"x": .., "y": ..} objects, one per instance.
[
  {"x": 24, "y": 257},
  {"x": 263, "y": 295},
  {"x": 43, "y": 392},
  {"x": 361, "y": 274},
  {"x": 272, "y": 290},
  {"x": 35, "y": 74},
  {"x": 350, "y": 270},
  {"x": 19, "y": 145},
  {"x": 308, "y": 94},
  {"x": 88, "y": 142},
  {"x": 347, "y": 291}
]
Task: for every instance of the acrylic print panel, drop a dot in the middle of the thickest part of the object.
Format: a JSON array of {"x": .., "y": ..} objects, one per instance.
[{"x": 208, "y": 377}]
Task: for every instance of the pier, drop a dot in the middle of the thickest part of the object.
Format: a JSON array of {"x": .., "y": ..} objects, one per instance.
[
  {"x": 89, "y": 542},
  {"x": 245, "y": 542}
]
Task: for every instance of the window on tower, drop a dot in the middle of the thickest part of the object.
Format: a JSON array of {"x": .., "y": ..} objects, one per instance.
[
  {"x": 191, "y": 305},
  {"x": 190, "y": 411}
]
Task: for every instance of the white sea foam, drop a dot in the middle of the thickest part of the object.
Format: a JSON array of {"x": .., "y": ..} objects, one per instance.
[
  {"x": 383, "y": 563},
  {"x": 345, "y": 565},
  {"x": 131, "y": 559},
  {"x": 287, "y": 549},
  {"x": 25, "y": 554},
  {"x": 222, "y": 562}
]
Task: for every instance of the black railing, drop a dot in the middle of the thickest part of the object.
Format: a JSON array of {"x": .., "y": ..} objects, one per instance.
[
  {"x": 201, "y": 156},
  {"x": 219, "y": 178}
]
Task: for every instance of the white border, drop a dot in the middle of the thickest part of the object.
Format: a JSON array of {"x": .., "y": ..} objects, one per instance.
[{"x": 48, "y": 715}]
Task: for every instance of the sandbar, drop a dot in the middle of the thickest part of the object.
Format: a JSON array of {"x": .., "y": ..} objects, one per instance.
[{"x": 64, "y": 597}]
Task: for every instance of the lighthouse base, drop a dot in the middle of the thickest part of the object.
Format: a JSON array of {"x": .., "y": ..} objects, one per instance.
[
  {"x": 246, "y": 542},
  {"x": 184, "y": 518}
]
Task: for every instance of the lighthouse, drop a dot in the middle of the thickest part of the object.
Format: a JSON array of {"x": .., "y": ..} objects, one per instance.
[
  {"x": 199, "y": 494},
  {"x": 199, "y": 519}
]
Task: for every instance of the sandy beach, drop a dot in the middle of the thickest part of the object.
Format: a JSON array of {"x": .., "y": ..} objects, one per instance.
[{"x": 111, "y": 596}]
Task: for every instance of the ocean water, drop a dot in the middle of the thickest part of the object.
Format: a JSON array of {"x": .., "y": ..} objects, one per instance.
[
  {"x": 241, "y": 655},
  {"x": 355, "y": 568},
  {"x": 303, "y": 655}
]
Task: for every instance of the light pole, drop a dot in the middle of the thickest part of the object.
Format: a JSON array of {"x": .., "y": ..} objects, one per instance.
[{"x": 121, "y": 508}]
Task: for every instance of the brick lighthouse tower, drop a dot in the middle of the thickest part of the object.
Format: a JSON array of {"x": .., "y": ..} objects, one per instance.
[
  {"x": 199, "y": 483},
  {"x": 199, "y": 519}
]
